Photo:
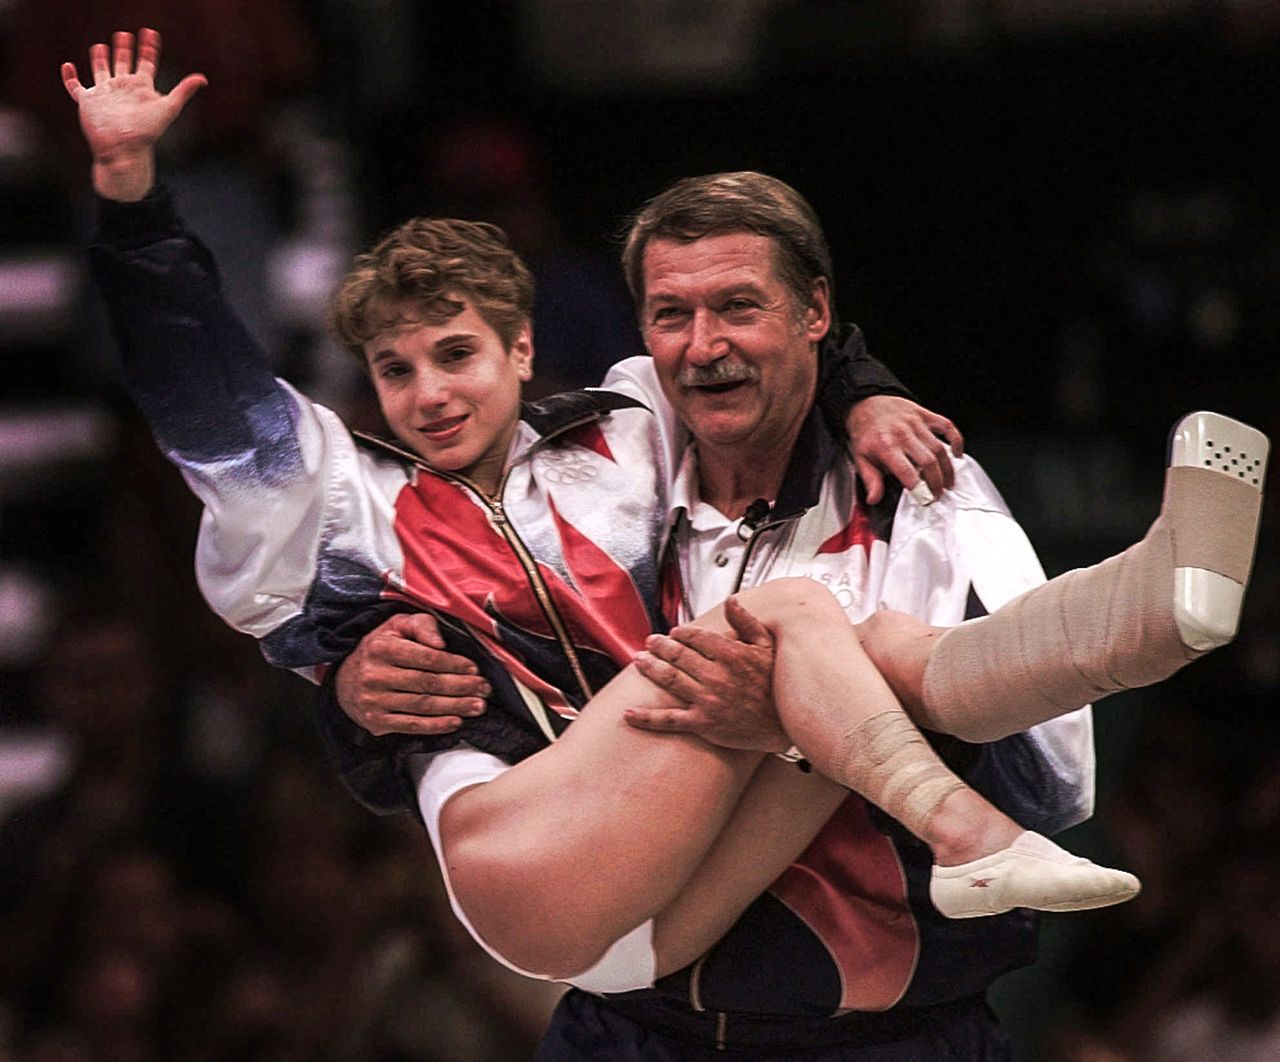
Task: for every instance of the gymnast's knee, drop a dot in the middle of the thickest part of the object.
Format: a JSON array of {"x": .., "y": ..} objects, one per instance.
[
  {"x": 796, "y": 599},
  {"x": 518, "y": 912}
]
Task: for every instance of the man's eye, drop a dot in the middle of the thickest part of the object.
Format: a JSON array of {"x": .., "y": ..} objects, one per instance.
[
  {"x": 666, "y": 315},
  {"x": 392, "y": 371},
  {"x": 739, "y": 305},
  {"x": 457, "y": 354}
]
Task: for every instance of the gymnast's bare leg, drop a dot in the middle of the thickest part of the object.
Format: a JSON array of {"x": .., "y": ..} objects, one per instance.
[
  {"x": 1130, "y": 621},
  {"x": 550, "y": 891}
]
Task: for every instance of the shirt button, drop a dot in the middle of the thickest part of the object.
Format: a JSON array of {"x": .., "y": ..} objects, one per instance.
[{"x": 721, "y": 560}]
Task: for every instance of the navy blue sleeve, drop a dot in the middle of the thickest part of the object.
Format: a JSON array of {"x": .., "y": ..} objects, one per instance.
[
  {"x": 847, "y": 373},
  {"x": 203, "y": 384}
]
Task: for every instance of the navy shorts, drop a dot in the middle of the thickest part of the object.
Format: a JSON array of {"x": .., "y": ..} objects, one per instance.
[{"x": 586, "y": 1028}]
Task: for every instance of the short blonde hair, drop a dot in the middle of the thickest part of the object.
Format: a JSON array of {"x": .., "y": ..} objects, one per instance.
[{"x": 421, "y": 271}]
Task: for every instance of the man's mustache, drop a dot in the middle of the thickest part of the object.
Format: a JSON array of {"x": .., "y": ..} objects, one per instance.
[{"x": 718, "y": 372}]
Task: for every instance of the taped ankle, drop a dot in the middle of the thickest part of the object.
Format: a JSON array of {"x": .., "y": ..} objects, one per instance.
[{"x": 886, "y": 760}]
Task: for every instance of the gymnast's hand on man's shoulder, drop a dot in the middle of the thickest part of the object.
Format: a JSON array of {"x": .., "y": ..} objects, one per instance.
[{"x": 890, "y": 435}]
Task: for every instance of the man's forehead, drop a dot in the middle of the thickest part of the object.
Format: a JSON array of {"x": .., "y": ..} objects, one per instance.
[{"x": 730, "y": 257}]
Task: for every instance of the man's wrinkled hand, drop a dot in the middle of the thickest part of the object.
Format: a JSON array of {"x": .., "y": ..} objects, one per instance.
[
  {"x": 399, "y": 680},
  {"x": 724, "y": 685},
  {"x": 893, "y": 435}
]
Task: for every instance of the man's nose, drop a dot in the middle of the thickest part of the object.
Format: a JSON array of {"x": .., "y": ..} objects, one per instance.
[{"x": 706, "y": 339}]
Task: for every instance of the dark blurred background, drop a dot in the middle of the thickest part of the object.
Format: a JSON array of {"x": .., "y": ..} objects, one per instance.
[{"x": 1056, "y": 219}]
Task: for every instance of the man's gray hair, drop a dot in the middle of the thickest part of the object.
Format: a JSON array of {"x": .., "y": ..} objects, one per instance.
[{"x": 734, "y": 202}]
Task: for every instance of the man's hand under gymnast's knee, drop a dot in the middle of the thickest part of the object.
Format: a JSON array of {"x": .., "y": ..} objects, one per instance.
[{"x": 724, "y": 684}]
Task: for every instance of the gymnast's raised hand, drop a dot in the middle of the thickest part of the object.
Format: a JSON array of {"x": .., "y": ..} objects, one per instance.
[{"x": 123, "y": 114}]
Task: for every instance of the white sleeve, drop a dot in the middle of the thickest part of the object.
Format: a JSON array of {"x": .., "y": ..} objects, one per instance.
[
  {"x": 272, "y": 508},
  {"x": 969, "y": 540},
  {"x": 278, "y": 475}
]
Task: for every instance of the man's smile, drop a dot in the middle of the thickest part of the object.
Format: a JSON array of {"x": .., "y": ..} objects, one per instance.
[
  {"x": 720, "y": 377},
  {"x": 718, "y": 388}
]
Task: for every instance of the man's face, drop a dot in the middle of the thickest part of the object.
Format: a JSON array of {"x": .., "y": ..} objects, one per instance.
[
  {"x": 734, "y": 353},
  {"x": 451, "y": 391}
]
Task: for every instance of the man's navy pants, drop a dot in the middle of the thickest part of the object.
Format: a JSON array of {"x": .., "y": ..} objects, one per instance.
[{"x": 587, "y": 1028}]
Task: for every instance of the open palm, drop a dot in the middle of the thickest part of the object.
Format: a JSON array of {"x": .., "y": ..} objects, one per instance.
[{"x": 123, "y": 111}]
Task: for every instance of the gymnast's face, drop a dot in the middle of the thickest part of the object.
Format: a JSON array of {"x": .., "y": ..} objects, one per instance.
[{"x": 450, "y": 391}]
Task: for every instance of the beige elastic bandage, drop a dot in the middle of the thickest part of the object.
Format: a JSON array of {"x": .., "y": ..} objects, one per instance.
[
  {"x": 1224, "y": 545},
  {"x": 886, "y": 760},
  {"x": 1095, "y": 630}
]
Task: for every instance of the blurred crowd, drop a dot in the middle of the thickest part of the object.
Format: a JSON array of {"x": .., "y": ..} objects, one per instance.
[
  {"x": 181, "y": 878},
  {"x": 1190, "y": 970}
]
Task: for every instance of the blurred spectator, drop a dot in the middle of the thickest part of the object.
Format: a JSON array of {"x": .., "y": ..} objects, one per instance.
[
  {"x": 326, "y": 935},
  {"x": 98, "y": 694},
  {"x": 259, "y": 55},
  {"x": 1233, "y": 1012},
  {"x": 494, "y": 169},
  {"x": 1191, "y": 968}
]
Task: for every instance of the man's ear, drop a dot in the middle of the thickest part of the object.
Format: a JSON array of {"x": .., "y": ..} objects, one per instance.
[
  {"x": 522, "y": 351},
  {"x": 817, "y": 315}
]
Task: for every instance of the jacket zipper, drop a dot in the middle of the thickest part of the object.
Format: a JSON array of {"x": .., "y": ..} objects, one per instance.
[
  {"x": 539, "y": 587},
  {"x": 518, "y": 548}
]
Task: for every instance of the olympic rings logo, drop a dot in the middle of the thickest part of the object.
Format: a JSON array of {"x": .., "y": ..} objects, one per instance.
[{"x": 568, "y": 467}]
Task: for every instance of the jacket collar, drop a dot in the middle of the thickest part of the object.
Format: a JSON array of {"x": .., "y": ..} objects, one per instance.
[
  {"x": 568, "y": 408},
  {"x": 814, "y": 454}
]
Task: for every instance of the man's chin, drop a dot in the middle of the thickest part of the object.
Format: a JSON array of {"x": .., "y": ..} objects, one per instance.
[{"x": 718, "y": 430}]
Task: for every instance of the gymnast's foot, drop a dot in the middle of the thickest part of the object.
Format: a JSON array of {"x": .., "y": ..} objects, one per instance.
[
  {"x": 1130, "y": 621},
  {"x": 1031, "y": 872}
]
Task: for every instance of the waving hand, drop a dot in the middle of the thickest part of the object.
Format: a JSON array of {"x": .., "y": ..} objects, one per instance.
[{"x": 123, "y": 115}]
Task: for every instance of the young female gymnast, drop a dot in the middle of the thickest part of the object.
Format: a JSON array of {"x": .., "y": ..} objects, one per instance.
[{"x": 669, "y": 838}]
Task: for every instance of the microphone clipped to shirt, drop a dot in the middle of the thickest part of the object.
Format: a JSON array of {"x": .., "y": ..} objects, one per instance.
[{"x": 756, "y": 514}]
